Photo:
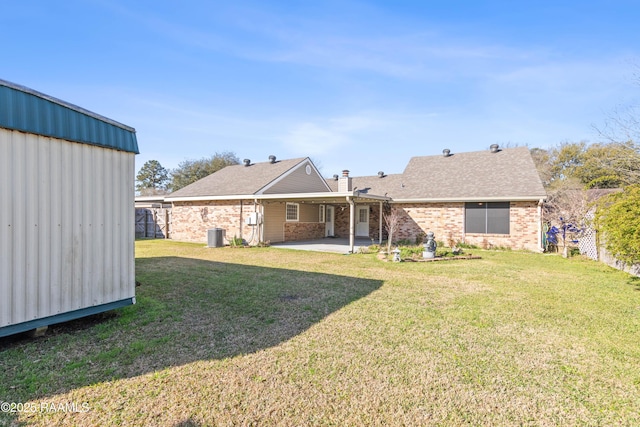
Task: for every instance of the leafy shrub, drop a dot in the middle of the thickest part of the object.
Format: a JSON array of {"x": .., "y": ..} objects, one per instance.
[
  {"x": 236, "y": 242},
  {"x": 617, "y": 218}
]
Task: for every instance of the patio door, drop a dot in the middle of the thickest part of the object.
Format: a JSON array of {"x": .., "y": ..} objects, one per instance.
[
  {"x": 362, "y": 221},
  {"x": 329, "y": 221}
]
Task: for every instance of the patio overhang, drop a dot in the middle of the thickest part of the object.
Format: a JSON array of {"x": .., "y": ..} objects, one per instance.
[
  {"x": 320, "y": 198},
  {"x": 350, "y": 198}
]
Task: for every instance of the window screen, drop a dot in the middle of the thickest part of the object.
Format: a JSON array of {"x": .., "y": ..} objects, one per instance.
[{"x": 487, "y": 218}]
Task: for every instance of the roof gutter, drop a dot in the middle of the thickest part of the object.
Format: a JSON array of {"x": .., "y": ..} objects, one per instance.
[
  {"x": 290, "y": 196},
  {"x": 472, "y": 199},
  {"x": 353, "y": 194}
]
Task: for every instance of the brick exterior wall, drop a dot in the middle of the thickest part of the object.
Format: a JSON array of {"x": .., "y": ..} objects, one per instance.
[
  {"x": 446, "y": 220},
  {"x": 191, "y": 220},
  {"x": 303, "y": 231}
]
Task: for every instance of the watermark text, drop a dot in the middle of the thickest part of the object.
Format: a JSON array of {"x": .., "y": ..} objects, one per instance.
[{"x": 43, "y": 407}]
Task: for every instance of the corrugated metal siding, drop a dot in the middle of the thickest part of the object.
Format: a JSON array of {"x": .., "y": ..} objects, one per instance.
[
  {"x": 298, "y": 182},
  {"x": 27, "y": 111},
  {"x": 66, "y": 226}
]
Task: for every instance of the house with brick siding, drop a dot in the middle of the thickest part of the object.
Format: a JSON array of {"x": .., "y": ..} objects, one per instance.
[
  {"x": 273, "y": 201},
  {"x": 490, "y": 198}
]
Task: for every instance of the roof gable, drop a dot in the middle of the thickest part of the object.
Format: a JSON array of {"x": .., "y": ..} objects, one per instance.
[{"x": 302, "y": 178}]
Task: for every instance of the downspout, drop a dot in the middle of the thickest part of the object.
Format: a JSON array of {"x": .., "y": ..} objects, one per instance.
[
  {"x": 257, "y": 208},
  {"x": 240, "y": 219},
  {"x": 352, "y": 224},
  {"x": 540, "y": 221}
]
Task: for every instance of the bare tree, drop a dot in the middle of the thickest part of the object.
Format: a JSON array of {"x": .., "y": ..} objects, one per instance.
[
  {"x": 391, "y": 220},
  {"x": 622, "y": 131},
  {"x": 566, "y": 212}
]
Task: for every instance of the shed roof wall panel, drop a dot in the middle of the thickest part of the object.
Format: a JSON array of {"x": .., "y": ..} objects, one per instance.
[{"x": 29, "y": 111}]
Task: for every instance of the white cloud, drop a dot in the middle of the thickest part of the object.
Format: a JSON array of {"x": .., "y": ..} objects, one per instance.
[
  {"x": 310, "y": 139},
  {"x": 323, "y": 136}
]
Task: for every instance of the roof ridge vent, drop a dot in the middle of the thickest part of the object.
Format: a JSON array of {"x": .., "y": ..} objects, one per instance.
[
  {"x": 247, "y": 162},
  {"x": 494, "y": 148},
  {"x": 272, "y": 159}
]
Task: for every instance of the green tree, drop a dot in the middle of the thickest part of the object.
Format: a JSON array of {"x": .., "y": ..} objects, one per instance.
[
  {"x": 564, "y": 160},
  {"x": 617, "y": 219},
  {"x": 610, "y": 165},
  {"x": 152, "y": 178},
  {"x": 190, "y": 171},
  {"x": 601, "y": 165}
]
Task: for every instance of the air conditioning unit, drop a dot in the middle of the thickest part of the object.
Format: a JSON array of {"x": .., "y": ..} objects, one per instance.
[{"x": 215, "y": 237}]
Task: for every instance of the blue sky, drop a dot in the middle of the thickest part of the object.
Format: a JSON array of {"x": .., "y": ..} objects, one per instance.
[{"x": 358, "y": 85}]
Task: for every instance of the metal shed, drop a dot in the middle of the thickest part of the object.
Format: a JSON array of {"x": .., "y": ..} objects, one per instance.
[{"x": 66, "y": 211}]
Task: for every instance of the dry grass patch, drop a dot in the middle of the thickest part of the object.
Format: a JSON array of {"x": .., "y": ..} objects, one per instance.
[{"x": 279, "y": 337}]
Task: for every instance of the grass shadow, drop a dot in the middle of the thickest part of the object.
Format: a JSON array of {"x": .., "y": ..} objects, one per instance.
[
  {"x": 635, "y": 282},
  {"x": 187, "y": 310}
]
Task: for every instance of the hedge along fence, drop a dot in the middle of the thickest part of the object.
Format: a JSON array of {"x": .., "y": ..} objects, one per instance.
[
  {"x": 618, "y": 224},
  {"x": 606, "y": 257}
]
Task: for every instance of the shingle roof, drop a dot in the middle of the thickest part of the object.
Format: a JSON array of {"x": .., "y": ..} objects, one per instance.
[
  {"x": 509, "y": 173},
  {"x": 372, "y": 184},
  {"x": 237, "y": 179},
  {"x": 482, "y": 175}
]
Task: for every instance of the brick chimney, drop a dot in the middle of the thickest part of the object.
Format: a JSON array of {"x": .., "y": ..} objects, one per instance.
[{"x": 344, "y": 183}]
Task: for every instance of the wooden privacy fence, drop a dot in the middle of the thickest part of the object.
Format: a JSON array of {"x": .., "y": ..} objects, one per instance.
[{"x": 153, "y": 222}]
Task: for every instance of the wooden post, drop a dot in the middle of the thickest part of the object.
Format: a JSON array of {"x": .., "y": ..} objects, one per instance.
[{"x": 352, "y": 224}]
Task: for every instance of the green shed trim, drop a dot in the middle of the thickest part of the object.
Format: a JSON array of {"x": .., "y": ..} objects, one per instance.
[
  {"x": 27, "y": 110},
  {"x": 64, "y": 317}
]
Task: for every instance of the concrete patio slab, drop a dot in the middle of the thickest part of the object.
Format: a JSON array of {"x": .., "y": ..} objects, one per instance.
[{"x": 327, "y": 244}]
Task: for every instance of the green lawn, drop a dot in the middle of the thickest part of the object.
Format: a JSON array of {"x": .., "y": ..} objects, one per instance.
[{"x": 267, "y": 336}]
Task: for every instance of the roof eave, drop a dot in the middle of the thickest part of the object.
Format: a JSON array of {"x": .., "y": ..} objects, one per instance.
[
  {"x": 291, "y": 196},
  {"x": 472, "y": 199}
]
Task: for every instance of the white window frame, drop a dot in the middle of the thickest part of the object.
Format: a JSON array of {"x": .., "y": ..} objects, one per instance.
[
  {"x": 286, "y": 212},
  {"x": 322, "y": 217}
]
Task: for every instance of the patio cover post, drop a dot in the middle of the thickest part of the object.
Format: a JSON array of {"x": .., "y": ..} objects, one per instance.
[
  {"x": 352, "y": 224},
  {"x": 380, "y": 225}
]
